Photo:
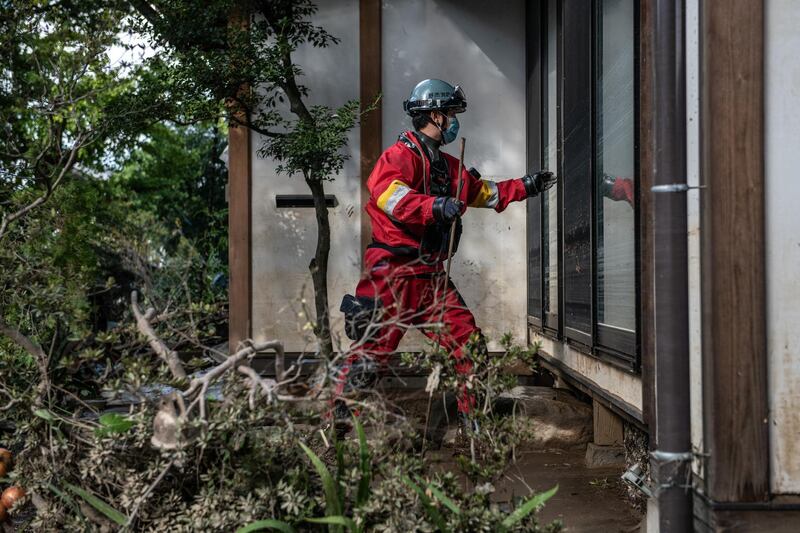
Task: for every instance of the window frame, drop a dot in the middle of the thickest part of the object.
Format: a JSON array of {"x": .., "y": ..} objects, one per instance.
[
  {"x": 619, "y": 347},
  {"x": 534, "y": 80},
  {"x": 553, "y": 322}
]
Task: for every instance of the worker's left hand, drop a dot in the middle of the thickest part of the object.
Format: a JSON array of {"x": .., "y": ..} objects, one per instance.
[{"x": 539, "y": 182}]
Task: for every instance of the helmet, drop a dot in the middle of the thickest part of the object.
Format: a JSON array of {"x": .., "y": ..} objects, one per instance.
[{"x": 431, "y": 95}]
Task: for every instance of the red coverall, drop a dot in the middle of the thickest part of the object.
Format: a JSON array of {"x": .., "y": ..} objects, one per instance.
[
  {"x": 622, "y": 190},
  {"x": 412, "y": 293}
]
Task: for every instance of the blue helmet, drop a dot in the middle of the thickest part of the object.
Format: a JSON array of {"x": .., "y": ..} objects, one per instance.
[{"x": 431, "y": 95}]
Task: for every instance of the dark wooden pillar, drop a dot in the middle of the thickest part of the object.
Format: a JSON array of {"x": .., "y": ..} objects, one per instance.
[
  {"x": 240, "y": 290},
  {"x": 735, "y": 344},
  {"x": 645, "y": 182},
  {"x": 370, "y": 88}
]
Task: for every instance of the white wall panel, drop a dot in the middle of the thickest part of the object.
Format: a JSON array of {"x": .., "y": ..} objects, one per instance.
[
  {"x": 782, "y": 84},
  {"x": 481, "y": 46},
  {"x": 693, "y": 222},
  {"x": 284, "y": 239}
]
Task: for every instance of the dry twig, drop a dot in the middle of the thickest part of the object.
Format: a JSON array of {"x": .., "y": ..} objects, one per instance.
[{"x": 164, "y": 352}]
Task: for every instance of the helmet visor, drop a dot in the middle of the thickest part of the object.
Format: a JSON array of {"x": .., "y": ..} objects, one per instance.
[{"x": 458, "y": 100}]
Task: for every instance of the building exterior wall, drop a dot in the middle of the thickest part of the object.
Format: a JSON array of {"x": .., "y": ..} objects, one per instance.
[
  {"x": 472, "y": 44},
  {"x": 283, "y": 239},
  {"x": 782, "y": 138},
  {"x": 603, "y": 376},
  {"x": 482, "y": 48}
]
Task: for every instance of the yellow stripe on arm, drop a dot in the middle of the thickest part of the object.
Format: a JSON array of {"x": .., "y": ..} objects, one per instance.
[
  {"x": 487, "y": 196},
  {"x": 395, "y": 192}
]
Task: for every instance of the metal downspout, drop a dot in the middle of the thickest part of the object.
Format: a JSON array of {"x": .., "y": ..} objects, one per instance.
[{"x": 671, "y": 459}]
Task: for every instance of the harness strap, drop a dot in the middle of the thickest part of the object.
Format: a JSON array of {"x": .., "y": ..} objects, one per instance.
[{"x": 405, "y": 251}]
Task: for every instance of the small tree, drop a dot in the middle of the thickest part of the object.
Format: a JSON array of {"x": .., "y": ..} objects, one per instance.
[
  {"x": 62, "y": 103},
  {"x": 236, "y": 58}
]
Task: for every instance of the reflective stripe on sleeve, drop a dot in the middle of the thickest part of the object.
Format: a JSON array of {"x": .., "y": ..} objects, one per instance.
[
  {"x": 488, "y": 196},
  {"x": 395, "y": 192}
]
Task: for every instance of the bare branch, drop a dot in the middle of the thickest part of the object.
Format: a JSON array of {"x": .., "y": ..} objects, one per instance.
[
  {"x": 148, "y": 12},
  {"x": 11, "y": 402},
  {"x": 21, "y": 340},
  {"x": 257, "y": 129},
  {"x": 24, "y": 342},
  {"x": 8, "y": 219},
  {"x": 164, "y": 352},
  {"x": 234, "y": 361},
  {"x": 143, "y": 497}
]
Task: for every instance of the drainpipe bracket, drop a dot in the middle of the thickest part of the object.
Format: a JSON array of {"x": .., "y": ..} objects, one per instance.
[
  {"x": 674, "y": 187},
  {"x": 671, "y": 469}
]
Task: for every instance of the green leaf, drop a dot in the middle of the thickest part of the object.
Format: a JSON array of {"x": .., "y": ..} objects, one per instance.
[
  {"x": 529, "y": 506},
  {"x": 66, "y": 497},
  {"x": 340, "y": 468},
  {"x": 349, "y": 523},
  {"x": 45, "y": 415},
  {"x": 366, "y": 465},
  {"x": 266, "y": 524},
  {"x": 332, "y": 507},
  {"x": 113, "y": 423},
  {"x": 433, "y": 513},
  {"x": 99, "y": 504},
  {"x": 447, "y": 502}
]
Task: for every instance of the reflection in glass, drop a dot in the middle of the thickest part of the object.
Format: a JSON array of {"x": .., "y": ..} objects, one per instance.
[
  {"x": 550, "y": 199},
  {"x": 616, "y": 299}
]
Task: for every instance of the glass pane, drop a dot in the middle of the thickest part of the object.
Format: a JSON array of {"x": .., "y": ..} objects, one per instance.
[
  {"x": 534, "y": 259},
  {"x": 616, "y": 297},
  {"x": 550, "y": 155},
  {"x": 577, "y": 179}
]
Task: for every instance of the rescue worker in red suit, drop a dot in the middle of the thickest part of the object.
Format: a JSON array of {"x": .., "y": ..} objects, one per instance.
[{"x": 412, "y": 205}]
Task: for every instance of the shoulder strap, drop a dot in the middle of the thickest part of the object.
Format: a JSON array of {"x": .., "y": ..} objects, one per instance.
[
  {"x": 403, "y": 138},
  {"x": 426, "y": 161}
]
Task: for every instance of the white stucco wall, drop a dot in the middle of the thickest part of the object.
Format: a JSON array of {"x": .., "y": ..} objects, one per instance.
[
  {"x": 782, "y": 139},
  {"x": 471, "y": 43},
  {"x": 283, "y": 240},
  {"x": 693, "y": 223},
  {"x": 480, "y": 46}
]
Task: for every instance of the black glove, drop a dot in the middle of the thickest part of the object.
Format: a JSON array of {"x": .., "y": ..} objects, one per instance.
[
  {"x": 447, "y": 209},
  {"x": 607, "y": 185},
  {"x": 539, "y": 182}
]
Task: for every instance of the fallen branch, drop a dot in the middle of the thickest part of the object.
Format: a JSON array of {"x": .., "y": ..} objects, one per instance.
[
  {"x": 143, "y": 497},
  {"x": 21, "y": 340},
  {"x": 198, "y": 388},
  {"x": 164, "y": 352},
  {"x": 169, "y": 420},
  {"x": 42, "y": 360}
]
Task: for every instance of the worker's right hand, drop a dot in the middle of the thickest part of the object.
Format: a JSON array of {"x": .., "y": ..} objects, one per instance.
[{"x": 447, "y": 209}]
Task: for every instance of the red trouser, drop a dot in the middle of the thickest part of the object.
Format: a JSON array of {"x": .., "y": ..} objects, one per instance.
[{"x": 415, "y": 300}]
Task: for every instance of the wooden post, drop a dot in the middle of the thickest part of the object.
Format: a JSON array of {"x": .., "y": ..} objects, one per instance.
[
  {"x": 735, "y": 343},
  {"x": 370, "y": 54},
  {"x": 240, "y": 291},
  {"x": 645, "y": 324},
  {"x": 608, "y": 430}
]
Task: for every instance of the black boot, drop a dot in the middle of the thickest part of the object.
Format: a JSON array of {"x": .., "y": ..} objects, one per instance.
[{"x": 342, "y": 419}]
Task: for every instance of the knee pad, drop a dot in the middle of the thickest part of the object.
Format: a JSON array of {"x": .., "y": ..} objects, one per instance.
[{"x": 359, "y": 313}]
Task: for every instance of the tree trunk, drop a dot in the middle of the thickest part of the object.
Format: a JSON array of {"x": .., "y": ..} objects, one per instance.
[{"x": 319, "y": 268}]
